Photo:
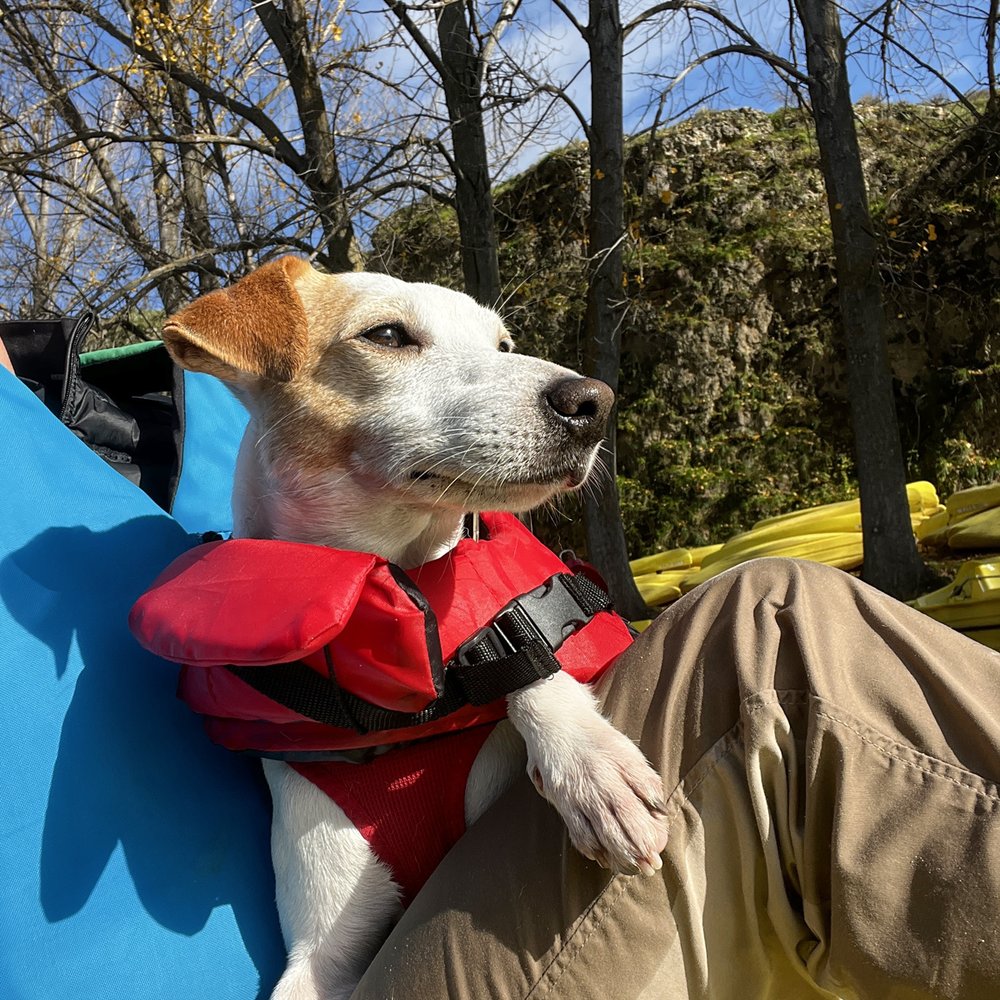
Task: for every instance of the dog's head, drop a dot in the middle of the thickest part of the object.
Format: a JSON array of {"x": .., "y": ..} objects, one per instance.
[{"x": 369, "y": 391}]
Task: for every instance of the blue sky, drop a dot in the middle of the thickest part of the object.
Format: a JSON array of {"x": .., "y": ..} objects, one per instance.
[
  {"x": 935, "y": 33},
  {"x": 946, "y": 34}
]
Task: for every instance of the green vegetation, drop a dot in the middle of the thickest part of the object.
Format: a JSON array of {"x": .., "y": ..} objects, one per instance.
[{"x": 732, "y": 399}]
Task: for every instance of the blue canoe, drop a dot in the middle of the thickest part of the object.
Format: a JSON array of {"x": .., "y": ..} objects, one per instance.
[{"x": 135, "y": 858}]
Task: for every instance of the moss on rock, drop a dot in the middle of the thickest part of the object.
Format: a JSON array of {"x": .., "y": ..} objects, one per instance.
[{"x": 732, "y": 403}]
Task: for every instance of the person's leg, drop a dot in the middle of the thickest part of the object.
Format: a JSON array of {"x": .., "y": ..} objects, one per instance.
[{"x": 830, "y": 758}]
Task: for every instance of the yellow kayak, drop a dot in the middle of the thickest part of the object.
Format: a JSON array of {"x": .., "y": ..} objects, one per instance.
[
  {"x": 921, "y": 496},
  {"x": 659, "y": 576},
  {"x": 830, "y": 533},
  {"x": 978, "y": 531},
  {"x": 970, "y": 520},
  {"x": 661, "y": 588},
  {"x": 970, "y": 603},
  {"x": 965, "y": 503},
  {"x": 670, "y": 560},
  {"x": 842, "y": 549},
  {"x": 932, "y": 526}
]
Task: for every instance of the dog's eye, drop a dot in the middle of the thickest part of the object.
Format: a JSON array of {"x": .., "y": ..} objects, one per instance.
[
  {"x": 506, "y": 346},
  {"x": 390, "y": 336}
]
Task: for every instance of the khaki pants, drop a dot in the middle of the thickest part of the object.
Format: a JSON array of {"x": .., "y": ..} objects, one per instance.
[{"x": 831, "y": 759}]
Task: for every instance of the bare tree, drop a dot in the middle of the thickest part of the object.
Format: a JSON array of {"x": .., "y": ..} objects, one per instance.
[
  {"x": 605, "y": 35},
  {"x": 292, "y": 31},
  {"x": 50, "y": 227},
  {"x": 605, "y": 300},
  {"x": 210, "y": 135},
  {"x": 891, "y": 560},
  {"x": 460, "y": 63},
  {"x": 990, "y": 34},
  {"x": 604, "y": 131}
]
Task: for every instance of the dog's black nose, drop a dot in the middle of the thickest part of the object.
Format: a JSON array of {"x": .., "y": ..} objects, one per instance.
[{"x": 582, "y": 405}]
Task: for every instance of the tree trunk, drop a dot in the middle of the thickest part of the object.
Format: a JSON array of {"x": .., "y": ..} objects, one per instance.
[
  {"x": 473, "y": 191},
  {"x": 197, "y": 222},
  {"x": 891, "y": 560},
  {"x": 172, "y": 291},
  {"x": 288, "y": 27},
  {"x": 602, "y": 352}
]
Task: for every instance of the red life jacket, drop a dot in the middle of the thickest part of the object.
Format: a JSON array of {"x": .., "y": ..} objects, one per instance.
[{"x": 376, "y": 656}]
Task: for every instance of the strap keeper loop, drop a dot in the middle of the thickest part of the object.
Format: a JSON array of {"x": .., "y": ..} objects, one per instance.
[{"x": 482, "y": 683}]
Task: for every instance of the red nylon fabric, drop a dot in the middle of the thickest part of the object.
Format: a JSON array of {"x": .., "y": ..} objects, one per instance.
[
  {"x": 203, "y": 613},
  {"x": 409, "y": 803},
  {"x": 249, "y": 602},
  {"x": 262, "y": 602}
]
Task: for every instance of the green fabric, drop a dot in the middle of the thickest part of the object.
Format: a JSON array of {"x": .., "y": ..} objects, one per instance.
[{"x": 113, "y": 353}]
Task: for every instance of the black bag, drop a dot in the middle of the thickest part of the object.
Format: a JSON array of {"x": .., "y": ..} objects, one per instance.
[{"x": 124, "y": 403}]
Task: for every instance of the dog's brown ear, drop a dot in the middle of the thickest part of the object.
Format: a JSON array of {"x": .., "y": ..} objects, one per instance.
[{"x": 256, "y": 327}]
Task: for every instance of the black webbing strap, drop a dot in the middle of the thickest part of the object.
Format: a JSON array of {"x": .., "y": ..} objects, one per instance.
[
  {"x": 485, "y": 680},
  {"x": 303, "y": 690},
  {"x": 515, "y": 649}
]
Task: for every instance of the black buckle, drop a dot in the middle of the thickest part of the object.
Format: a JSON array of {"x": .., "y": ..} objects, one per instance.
[{"x": 548, "y": 614}]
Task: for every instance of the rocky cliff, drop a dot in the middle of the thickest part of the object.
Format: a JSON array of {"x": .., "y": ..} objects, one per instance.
[{"x": 732, "y": 401}]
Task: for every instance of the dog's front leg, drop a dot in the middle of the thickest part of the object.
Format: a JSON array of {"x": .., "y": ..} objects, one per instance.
[
  {"x": 336, "y": 901},
  {"x": 607, "y": 794}
]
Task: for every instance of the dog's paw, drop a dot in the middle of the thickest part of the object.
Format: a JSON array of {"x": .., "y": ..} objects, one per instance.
[{"x": 607, "y": 794}]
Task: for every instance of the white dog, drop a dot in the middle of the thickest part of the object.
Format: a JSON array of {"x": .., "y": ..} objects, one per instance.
[{"x": 381, "y": 412}]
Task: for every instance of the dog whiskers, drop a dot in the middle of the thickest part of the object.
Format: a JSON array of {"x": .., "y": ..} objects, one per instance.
[
  {"x": 442, "y": 456},
  {"x": 270, "y": 430}
]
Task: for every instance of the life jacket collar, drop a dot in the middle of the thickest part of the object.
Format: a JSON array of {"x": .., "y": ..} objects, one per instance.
[{"x": 292, "y": 649}]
